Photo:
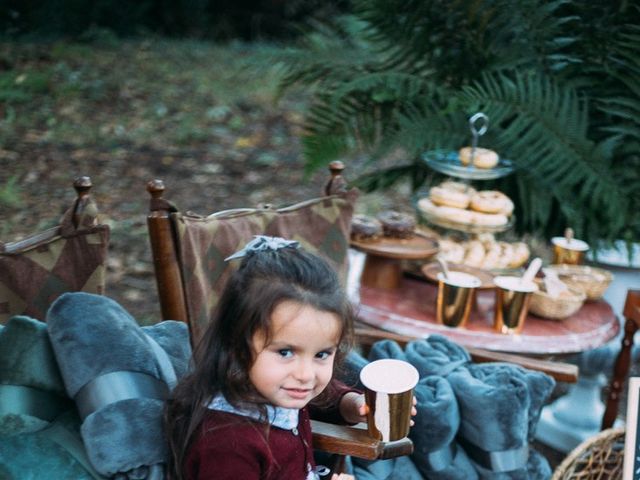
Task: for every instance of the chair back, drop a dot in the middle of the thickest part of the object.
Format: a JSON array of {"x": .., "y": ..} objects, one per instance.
[
  {"x": 69, "y": 257},
  {"x": 189, "y": 250}
]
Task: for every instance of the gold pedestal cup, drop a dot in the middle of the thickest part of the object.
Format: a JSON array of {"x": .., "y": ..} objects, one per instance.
[
  {"x": 568, "y": 251},
  {"x": 455, "y": 298},
  {"x": 513, "y": 296}
]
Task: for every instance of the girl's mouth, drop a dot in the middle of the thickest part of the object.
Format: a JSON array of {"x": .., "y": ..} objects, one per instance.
[{"x": 298, "y": 393}]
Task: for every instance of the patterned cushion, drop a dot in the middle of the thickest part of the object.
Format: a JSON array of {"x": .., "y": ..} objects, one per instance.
[
  {"x": 37, "y": 270},
  {"x": 320, "y": 225}
]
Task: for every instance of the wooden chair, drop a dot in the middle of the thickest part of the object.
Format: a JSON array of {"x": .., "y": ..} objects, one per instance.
[
  {"x": 622, "y": 364},
  {"x": 183, "y": 243},
  {"x": 179, "y": 257},
  {"x": 69, "y": 257}
]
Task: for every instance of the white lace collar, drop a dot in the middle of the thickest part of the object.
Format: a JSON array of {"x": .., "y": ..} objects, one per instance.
[{"x": 285, "y": 418}]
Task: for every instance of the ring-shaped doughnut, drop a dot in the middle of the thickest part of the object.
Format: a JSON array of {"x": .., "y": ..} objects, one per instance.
[
  {"x": 483, "y": 158},
  {"x": 396, "y": 224},
  {"x": 449, "y": 197},
  {"x": 490, "y": 201},
  {"x": 365, "y": 228},
  {"x": 452, "y": 214}
]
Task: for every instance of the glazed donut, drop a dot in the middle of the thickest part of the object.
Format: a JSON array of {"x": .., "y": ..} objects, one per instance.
[
  {"x": 488, "y": 219},
  {"x": 506, "y": 255},
  {"x": 486, "y": 238},
  {"x": 474, "y": 253},
  {"x": 451, "y": 251},
  {"x": 490, "y": 201},
  {"x": 483, "y": 158},
  {"x": 520, "y": 255},
  {"x": 449, "y": 197},
  {"x": 451, "y": 214},
  {"x": 508, "y": 208},
  {"x": 458, "y": 187},
  {"x": 396, "y": 224},
  {"x": 365, "y": 228},
  {"x": 492, "y": 256}
]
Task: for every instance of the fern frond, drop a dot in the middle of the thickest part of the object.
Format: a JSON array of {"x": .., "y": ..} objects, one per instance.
[{"x": 543, "y": 127}]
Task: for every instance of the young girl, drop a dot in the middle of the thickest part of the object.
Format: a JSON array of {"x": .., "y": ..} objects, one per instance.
[{"x": 282, "y": 323}]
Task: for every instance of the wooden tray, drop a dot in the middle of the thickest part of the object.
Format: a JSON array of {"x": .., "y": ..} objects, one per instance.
[
  {"x": 418, "y": 247},
  {"x": 431, "y": 271}
]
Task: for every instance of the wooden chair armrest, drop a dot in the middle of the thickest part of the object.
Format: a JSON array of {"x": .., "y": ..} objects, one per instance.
[
  {"x": 564, "y": 372},
  {"x": 355, "y": 441}
]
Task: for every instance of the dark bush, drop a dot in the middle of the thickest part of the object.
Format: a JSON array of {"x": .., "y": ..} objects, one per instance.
[{"x": 220, "y": 20}]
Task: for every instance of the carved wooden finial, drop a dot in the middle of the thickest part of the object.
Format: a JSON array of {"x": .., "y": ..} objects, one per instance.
[
  {"x": 337, "y": 183},
  {"x": 82, "y": 185},
  {"x": 85, "y": 212},
  {"x": 336, "y": 167},
  {"x": 155, "y": 188}
]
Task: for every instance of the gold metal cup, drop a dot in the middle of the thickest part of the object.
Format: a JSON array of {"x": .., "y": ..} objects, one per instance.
[
  {"x": 455, "y": 298},
  {"x": 512, "y": 304},
  {"x": 568, "y": 251},
  {"x": 388, "y": 392}
]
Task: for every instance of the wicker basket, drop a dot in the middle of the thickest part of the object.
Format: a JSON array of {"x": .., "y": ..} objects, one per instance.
[
  {"x": 600, "y": 456},
  {"x": 555, "y": 308},
  {"x": 590, "y": 280}
]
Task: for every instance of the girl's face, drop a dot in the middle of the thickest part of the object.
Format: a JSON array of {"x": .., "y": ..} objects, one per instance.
[{"x": 297, "y": 363}]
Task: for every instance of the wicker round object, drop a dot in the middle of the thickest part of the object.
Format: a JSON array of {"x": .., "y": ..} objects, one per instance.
[
  {"x": 556, "y": 308},
  {"x": 590, "y": 280},
  {"x": 600, "y": 456}
]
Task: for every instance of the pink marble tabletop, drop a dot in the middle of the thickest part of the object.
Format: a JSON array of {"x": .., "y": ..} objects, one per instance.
[{"x": 410, "y": 310}]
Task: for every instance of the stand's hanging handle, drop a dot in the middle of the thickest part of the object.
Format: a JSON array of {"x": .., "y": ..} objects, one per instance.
[{"x": 478, "y": 124}]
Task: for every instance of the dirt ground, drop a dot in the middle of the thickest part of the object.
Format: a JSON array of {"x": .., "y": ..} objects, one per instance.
[{"x": 185, "y": 112}]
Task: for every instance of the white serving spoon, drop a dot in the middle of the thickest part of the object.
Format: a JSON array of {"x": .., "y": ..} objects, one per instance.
[
  {"x": 531, "y": 271},
  {"x": 443, "y": 265}
]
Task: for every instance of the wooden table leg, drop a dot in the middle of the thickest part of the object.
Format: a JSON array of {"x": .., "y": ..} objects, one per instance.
[{"x": 381, "y": 272}]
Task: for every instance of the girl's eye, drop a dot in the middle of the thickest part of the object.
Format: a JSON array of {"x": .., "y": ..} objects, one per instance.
[
  {"x": 323, "y": 355},
  {"x": 285, "y": 352}
]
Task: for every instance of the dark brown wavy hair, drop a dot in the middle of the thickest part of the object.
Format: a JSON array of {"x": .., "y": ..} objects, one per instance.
[{"x": 223, "y": 357}]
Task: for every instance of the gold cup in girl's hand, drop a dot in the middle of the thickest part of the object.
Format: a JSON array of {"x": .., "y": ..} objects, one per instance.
[{"x": 388, "y": 392}]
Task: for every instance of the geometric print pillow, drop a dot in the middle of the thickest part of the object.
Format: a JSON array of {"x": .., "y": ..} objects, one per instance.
[
  {"x": 321, "y": 225},
  {"x": 37, "y": 270}
]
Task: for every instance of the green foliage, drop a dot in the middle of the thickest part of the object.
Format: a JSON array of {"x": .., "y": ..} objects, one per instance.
[
  {"x": 17, "y": 88},
  {"x": 560, "y": 81},
  {"x": 10, "y": 193}
]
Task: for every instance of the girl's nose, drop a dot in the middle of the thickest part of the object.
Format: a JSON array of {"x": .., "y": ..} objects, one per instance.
[{"x": 304, "y": 371}]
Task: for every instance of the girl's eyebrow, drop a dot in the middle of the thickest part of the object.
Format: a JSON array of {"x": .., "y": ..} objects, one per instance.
[{"x": 292, "y": 346}]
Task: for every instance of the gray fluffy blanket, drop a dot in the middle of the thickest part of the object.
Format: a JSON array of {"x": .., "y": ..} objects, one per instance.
[{"x": 93, "y": 336}]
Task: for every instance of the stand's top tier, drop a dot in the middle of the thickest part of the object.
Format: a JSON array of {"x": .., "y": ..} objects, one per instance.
[{"x": 448, "y": 162}]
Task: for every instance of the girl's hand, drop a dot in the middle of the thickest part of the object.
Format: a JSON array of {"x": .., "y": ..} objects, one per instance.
[
  {"x": 414, "y": 411},
  {"x": 342, "y": 476},
  {"x": 352, "y": 407},
  {"x": 354, "y": 410}
]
